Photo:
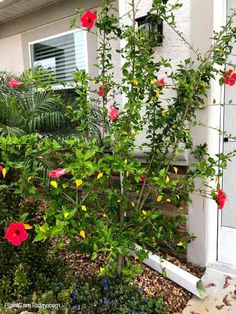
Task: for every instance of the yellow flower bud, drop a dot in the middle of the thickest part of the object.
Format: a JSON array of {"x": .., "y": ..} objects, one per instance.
[
  {"x": 164, "y": 112},
  {"x": 100, "y": 175},
  {"x": 134, "y": 81},
  {"x": 84, "y": 208},
  {"x": 175, "y": 170},
  {"x": 66, "y": 214},
  {"x": 28, "y": 227},
  {"x": 4, "y": 172},
  {"x": 54, "y": 184},
  {"x": 82, "y": 234},
  {"x": 78, "y": 182}
]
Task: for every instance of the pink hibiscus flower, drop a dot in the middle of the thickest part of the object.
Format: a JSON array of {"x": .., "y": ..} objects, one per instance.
[
  {"x": 57, "y": 173},
  {"x": 113, "y": 113},
  {"x": 13, "y": 83}
]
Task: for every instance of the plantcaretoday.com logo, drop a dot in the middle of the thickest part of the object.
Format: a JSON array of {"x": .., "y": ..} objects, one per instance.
[{"x": 32, "y": 305}]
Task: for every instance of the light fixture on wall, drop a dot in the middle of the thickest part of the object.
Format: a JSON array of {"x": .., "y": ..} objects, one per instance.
[{"x": 152, "y": 25}]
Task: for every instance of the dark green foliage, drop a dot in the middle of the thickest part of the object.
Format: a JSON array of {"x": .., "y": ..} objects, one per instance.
[
  {"x": 35, "y": 107},
  {"x": 29, "y": 267},
  {"x": 102, "y": 295}
]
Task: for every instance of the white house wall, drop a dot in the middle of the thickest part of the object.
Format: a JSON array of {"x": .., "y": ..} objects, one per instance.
[
  {"x": 172, "y": 48},
  {"x": 195, "y": 21},
  {"x": 11, "y": 54}
]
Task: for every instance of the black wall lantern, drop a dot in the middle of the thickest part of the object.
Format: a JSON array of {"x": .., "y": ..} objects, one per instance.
[{"x": 154, "y": 28}]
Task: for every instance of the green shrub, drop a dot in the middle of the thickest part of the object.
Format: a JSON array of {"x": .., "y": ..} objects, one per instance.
[{"x": 29, "y": 267}]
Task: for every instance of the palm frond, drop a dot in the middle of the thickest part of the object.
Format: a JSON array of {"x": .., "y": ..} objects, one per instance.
[
  {"x": 6, "y": 130},
  {"x": 46, "y": 122}
]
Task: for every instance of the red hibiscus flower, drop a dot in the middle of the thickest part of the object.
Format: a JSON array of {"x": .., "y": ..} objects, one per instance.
[
  {"x": 142, "y": 179},
  {"x": 57, "y": 173},
  {"x": 230, "y": 78},
  {"x": 161, "y": 82},
  {"x": 221, "y": 198},
  {"x": 13, "y": 83},
  {"x": 113, "y": 113},
  {"x": 1, "y": 169},
  {"x": 16, "y": 233},
  {"x": 102, "y": 92},
  {"x": 88, "y": 19}
]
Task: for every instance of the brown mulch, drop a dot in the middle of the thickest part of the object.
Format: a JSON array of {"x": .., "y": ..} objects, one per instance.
[
  {"x": 82, "y": 265},
  {"x": 152, "y": 283},
  {"x": 155, "y": 285}
]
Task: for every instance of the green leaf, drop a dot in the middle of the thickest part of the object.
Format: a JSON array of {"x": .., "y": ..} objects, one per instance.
[
  {"x": 201, "y": 289},
  {"x": 23, "y": 216},
  {"x": 40, "y": 237},
  {"x": 57, "y": 230},
  {"x": 95, "y": 247},
  {"x": 94, "y": 256}
]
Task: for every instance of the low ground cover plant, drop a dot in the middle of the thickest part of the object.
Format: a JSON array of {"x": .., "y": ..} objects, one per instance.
[{"x": 100, "y": 295}]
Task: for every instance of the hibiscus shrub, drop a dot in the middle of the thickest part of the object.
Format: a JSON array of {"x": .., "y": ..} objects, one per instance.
[{"x": 99, "y": 195}]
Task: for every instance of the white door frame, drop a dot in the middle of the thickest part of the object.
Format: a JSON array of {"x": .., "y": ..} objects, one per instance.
[
  {"x": 218, "y": 93},
  {"x": 226, "y": 235}
]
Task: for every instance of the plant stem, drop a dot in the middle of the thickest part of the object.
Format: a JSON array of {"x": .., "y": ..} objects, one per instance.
[
  {"x": 119, "y": 264},
  {"x": 120, "y": 258}
]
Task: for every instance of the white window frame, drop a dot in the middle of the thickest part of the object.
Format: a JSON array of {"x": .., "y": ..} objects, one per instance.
[{"x": 68, "y": 85}]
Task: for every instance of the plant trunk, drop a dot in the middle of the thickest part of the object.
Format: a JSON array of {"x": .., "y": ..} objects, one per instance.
[
  {"x": 121, "y": 216},
  {"x": 119, "y": 264}
]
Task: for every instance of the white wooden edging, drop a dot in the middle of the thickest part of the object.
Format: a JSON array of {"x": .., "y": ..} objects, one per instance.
[{"x": 176, "y": 274}]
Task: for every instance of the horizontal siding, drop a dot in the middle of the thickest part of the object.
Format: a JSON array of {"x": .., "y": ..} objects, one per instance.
[{"x": 18, "y": 8}]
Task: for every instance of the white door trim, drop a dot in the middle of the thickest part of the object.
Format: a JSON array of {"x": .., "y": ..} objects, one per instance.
[{"x": 217, "y": 93}]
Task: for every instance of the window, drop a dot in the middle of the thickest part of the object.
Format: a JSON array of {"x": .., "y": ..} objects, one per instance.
[
  {"x": 153, "y": 27},
  {"x": 62, "y": 54}
]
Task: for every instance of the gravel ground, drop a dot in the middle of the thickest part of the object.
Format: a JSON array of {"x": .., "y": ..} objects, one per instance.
[{"x": 152, "y": 283}]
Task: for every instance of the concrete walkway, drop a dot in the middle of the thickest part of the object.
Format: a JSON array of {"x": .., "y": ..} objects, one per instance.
[{"x": 220, "y": 283}]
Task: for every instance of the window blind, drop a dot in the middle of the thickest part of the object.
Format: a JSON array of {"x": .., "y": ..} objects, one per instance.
[{"x": 61, "y": 55}]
